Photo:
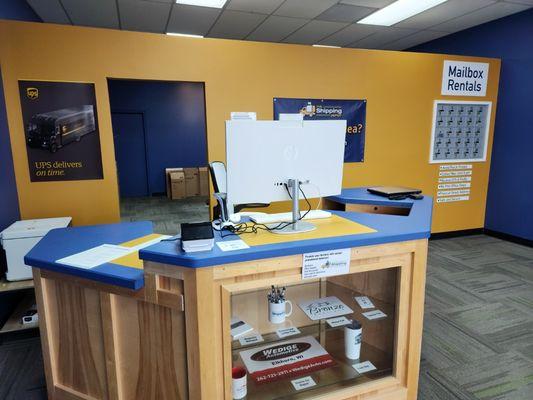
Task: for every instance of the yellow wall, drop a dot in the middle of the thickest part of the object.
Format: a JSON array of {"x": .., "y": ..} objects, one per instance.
[{"x": 239, "y": 76}]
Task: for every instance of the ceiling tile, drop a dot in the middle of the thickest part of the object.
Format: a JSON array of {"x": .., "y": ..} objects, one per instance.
[
  {"x": 235, "y": 24},
  {"x": 443, "y": 12},
  {"x": 191, "y": 19},
  {"x": 368, "y": 3},
  {"x": 345, "y": 13},
  {"x": 304, "y": 8},
  {"x": 413, "y": 40},
  {"x": 50, "y": 11},
  {"x": 314, "y": 32},
  {"x": 489, "y": 13},
  {"x": 145, "y": 16},
  {"x": 386, "y": 35},
  {"x": 350, "y": 34},
  {"x": 276, "y": 28},
  {"x": 99, "y": 13},
  {"x": 259, "y": 6}
]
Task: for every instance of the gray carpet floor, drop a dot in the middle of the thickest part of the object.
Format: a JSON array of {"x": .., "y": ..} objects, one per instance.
[{"x": 478, "y": 325}]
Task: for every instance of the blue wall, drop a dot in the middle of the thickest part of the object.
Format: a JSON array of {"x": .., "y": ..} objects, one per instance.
[
  {"x": 175, "y": 126},
  {"x": 510, "y": 197},
  {"x": 17, "y": 9},
  {"x": 9, "y": 209}
]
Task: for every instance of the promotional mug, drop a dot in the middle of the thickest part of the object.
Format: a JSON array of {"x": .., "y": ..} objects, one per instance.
[
  {"x": 238, "y": 383},
  {"x": 278, "y": 311},
  {"x": 353, "y": 334}
]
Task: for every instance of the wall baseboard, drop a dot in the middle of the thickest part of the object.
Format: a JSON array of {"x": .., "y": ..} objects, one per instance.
[
  {"x": 454, "y": 234},
  {"x": 482, "y": 231},
  {"x": 509, "y": 238}
]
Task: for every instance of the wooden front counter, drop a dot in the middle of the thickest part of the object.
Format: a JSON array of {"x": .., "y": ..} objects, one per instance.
[{"x": 171, "y": 340}]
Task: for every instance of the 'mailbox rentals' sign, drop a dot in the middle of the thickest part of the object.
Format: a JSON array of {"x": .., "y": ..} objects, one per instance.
[{"x": 460, "y": 78}]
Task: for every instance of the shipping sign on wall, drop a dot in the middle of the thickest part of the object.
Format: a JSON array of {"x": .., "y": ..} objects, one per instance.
[
  {"x": 61, "y": 130},
  {"x": 353, "y": 111},
  {"x": 461, "y": 78},
  {"x": 460, "y": 131}
]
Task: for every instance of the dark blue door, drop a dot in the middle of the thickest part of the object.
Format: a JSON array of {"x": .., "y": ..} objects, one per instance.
[{"x": 130, "y": 154}]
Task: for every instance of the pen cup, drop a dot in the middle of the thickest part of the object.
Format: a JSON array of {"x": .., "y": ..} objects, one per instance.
[
  {"x": 353, "y": 333},
  {"x": 238, "y": 383},
  {"x": 278, "y": 311}
]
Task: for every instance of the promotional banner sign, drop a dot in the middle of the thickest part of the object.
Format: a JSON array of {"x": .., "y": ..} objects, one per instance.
[
  {"x": 288, "y": 359},
  {"x": 353, "y": 111},
  {"x": 61, "y": 131}
]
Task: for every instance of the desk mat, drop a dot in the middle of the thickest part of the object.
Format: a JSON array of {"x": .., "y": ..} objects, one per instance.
[
  {"x": 325, "y": 228},
  {"x": 132, "y": 260}
]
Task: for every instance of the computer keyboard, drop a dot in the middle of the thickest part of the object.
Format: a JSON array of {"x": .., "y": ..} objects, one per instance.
[{"x": 287, "y": 216}]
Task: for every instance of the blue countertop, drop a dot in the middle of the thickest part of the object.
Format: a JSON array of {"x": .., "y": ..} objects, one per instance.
[
  {"x": 60, "y": 243},
  {"x": 390, "y": 228},
  {"x": 63, "y": 242}
]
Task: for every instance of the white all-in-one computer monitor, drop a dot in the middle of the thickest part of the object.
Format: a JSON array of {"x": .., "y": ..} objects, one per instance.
[{"x": 267, "y": 160}]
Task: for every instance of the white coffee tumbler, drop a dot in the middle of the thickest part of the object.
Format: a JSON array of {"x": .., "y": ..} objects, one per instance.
[
  {"x": 353, "y": 335},
  {"x": 238, "y": 383},
  {"x": 277, "y": 311}
]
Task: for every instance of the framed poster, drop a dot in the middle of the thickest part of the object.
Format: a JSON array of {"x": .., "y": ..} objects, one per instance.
[
  {"x": 61, "y": 131},
  {"x": 460, "y": 131},
  {"x": 353, "y": 111}
]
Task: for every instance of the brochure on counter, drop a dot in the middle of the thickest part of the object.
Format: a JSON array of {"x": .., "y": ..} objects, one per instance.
[{"x": 287, "y": 359}]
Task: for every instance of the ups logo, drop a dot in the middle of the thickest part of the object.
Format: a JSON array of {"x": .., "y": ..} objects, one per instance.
[{"x": 32, "y": 93}]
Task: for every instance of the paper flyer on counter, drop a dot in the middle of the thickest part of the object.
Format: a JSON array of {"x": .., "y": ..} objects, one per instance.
[{"x": 288, "y": 359}]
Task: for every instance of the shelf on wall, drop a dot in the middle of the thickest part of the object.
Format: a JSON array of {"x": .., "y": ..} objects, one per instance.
[
  {"x": 14, "y": 322},
  {"x": 7, "y": 286}
]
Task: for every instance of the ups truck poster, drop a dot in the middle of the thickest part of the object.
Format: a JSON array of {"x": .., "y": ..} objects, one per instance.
[{"x": 61, "y": 131}]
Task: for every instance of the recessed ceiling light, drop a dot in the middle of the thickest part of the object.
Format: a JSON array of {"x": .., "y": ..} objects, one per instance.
[
  {"x": 203, "y": 3},
  {"x": 184, "y": 35},
  {"x": 398, "y": 11},
  {"x": 324, "y": 45}
]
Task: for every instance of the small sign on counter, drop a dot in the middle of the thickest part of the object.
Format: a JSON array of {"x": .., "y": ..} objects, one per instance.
[{"x": 326, "y": 263}]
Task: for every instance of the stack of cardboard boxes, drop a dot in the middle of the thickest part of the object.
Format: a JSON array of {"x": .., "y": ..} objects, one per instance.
[{"x": 187, "y": 182}]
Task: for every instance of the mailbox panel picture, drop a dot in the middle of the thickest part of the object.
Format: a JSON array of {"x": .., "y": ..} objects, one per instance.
[{"x": 61, "y": 130}]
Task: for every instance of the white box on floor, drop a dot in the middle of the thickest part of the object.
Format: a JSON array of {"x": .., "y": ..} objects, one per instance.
[{"x": 20, "y": 237}]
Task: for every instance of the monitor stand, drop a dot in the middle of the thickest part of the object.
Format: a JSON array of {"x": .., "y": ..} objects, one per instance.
[{"x": 297, "y": 226}]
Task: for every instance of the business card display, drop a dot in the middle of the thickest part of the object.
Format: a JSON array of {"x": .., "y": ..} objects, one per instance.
[
  {"x": 365, "y": 366},
  {"x": 338, "y": 321},
  {"x": 288, "y": 359},
  {"x": 250, "y": 339},
  {"x": 364, "y": 302},
  {"x": 303, "y": 383},
  {"x": 375, "y": 314},
  {"x": 290, "y": 331},
  {"x": 326, "y": 307}
]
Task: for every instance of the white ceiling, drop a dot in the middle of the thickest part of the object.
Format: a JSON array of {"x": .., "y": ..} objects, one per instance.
[{"x": 328, "y": 22}]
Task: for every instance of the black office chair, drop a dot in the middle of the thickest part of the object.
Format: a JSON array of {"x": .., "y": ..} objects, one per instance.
[{"x": 217, "y": 169}]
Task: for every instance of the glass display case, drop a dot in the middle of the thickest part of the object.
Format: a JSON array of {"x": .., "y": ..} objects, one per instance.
[{"x": 307, "y": 353}]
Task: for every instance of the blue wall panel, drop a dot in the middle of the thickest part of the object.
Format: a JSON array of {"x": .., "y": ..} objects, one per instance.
[
  {"x": 175, "y": 126},
  {"x": 9, "y": 206},
  {"x": 510, "y": 196},
  {"x": 17, "y": 9}
]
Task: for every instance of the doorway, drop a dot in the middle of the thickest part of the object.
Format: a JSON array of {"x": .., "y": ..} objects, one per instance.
[
  {"x": 158, "y": 125},
  {"x": 130, "y": 154}
]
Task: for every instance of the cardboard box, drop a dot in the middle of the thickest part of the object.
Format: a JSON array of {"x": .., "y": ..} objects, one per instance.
[
  {"x": 177, "y": 185},
  {"x": 192, "y": 182},
  {"x": 167, "y": 179},
  {"x": 204, "y": 181}
]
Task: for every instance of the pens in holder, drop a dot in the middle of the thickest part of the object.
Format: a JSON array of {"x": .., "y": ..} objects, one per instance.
[{"x": 277, "y": 305}]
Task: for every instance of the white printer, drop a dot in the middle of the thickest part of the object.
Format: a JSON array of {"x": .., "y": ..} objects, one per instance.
[{"x": 20, "y": 237}]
